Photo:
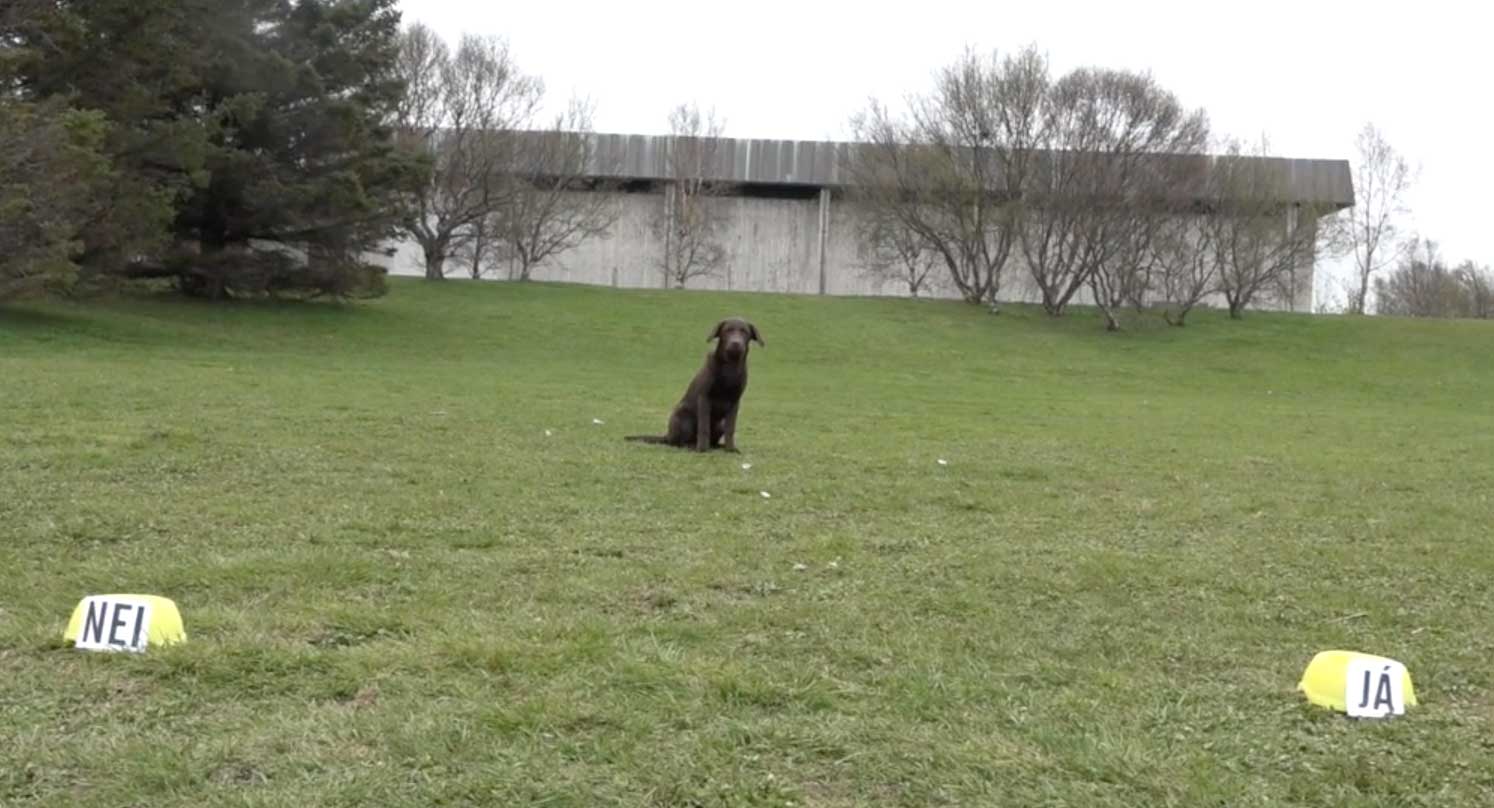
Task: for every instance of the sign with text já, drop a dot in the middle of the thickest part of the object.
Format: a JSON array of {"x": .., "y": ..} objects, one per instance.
[
  {"x": 1357, "y": 684},
  {"x": 1374, "y": 688}
]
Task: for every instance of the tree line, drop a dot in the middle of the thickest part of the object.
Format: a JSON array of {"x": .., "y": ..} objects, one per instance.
[
  {"x": 504, "y": 190},
  {"x": 254, "y": 147},
  {"x": 1100, "y": 181},
  {"x": 1423, "y": 284},
  {"x": 192, "y": 132},
  {"x": 265, "y": 147}
]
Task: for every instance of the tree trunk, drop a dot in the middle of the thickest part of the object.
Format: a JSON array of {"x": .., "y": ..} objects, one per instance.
[
  {"x": 206, "y": 280},
  {"x": 196, "y": 283},
  {"x": 970, "y": 286},
  {"x": 435, "y": 263},
  {"x": 1357, "y": 305},
  {"x": 669, "y": 225},
  {"x": 1053, "y": 302},
  {"x": 478, "y": 248}
]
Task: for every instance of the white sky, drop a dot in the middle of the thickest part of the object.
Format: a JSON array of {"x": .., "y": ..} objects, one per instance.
[{"x": 1308, "y": 74}]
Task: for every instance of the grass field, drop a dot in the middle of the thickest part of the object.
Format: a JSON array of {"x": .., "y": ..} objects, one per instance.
[{"x": 401, "y": 590}]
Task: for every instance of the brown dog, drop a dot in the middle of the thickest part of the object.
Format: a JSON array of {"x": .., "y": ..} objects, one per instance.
[{"x": 706, "y": 417}]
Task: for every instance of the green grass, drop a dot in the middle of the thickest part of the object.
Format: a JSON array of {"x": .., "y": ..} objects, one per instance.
[{"x": 400, "y": 591}]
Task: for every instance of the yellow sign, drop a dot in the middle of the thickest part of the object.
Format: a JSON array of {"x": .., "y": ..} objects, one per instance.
[
  {"x": 1360, "y": 685},
  {"x": 124, "y": 623}
]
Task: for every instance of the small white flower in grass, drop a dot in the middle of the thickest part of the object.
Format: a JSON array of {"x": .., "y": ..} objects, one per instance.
[
  {"x": 746, "y": 466},
  {"x": 598, "y": 421},
  {"x": 765, "y": 494},
  {"x": 943, "y": 462},
  {"x": 548, "y": 433}
]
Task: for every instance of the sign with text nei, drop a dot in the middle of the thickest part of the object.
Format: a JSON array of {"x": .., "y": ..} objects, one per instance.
[{"x": 124, "y": 623}]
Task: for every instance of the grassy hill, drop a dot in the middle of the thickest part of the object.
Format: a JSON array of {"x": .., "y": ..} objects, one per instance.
[{"x": 414, "y": 570}]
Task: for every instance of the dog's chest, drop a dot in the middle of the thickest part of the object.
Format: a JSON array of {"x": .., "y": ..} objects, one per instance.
[{"x": 728, "y": 384}]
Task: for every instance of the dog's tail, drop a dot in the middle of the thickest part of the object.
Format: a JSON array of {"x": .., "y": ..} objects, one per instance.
[{"x": 655, "y": 439}]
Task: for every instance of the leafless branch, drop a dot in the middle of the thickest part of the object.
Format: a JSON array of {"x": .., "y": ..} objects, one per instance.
[
  {"x": 1422, "y": 285},
  {"x": 1111, "y": 156},
  {"x": 891, "y": 251},
  {"x": 1371, "y": 229},
  {"x": 948, "y": 171},
  {"x": 1260, "y": 238},
  {"x": 1187, "y": 270},
  {"x": 554, "y": 206},
  {"x": 465, "y": 110},
  {"x": 1478, "y": 286},
  {"x": 692, "y": 217}
]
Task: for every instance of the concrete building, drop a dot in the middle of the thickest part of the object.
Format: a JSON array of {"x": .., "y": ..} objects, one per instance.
[{"x": 789, "y": 228}]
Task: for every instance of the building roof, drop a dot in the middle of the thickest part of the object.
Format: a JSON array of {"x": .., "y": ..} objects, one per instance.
[{"x": 821, "y": 164}]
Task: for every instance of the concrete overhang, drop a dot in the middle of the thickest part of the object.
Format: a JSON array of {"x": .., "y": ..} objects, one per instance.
[{"x": 810, "y": 164}]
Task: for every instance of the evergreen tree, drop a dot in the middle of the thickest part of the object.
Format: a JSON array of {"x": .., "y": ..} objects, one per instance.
[{"x": 244, "y": 133}]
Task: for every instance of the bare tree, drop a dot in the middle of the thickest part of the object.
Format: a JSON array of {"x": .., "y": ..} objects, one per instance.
[
  {"x": 555, "y": 204},
  {"x": 1128, "y": 276},
  {"x": 481, "y": 252},
  {"x": 1478, "y": 287},
  {"x": 1260, "y": 237},
  {"x": 1111, "y": 142},
  {"x": 1187, "y": 266},
  {"x": 1370, "y": 230},
  {"x": 948, "y": 170},
  {"x": 463, "y": 110},
  {"x": 891, "y": 251},
  {"x": 692, "y": 218},
  {"x": 1156, "y": 249},
  {"x": 1422, "y": 285}
]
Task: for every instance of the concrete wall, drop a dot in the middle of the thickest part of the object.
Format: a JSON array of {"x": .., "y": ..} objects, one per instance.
[
  {"x": 773, "y": 245},
  {"x": 788, "y": 227}
]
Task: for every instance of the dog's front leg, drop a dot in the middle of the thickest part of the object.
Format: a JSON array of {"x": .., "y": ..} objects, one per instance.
[
  {"x": 702, "y": 423},
  {"x": 729, "y": 431}
]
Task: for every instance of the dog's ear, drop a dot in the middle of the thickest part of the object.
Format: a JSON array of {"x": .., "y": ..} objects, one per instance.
[
  {"x": 755, "y": 335},
  {"x": 716, "y": 332}
]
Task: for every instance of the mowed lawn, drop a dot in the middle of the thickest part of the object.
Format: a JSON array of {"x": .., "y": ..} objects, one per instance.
[{"x": 415, "y": 571}]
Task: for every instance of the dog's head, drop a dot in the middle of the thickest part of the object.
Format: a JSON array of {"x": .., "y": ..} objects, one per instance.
[{"x": 734, "y": 333}]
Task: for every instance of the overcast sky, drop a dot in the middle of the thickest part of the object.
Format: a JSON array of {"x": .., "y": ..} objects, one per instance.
[{"x": 1307, "y": 74}]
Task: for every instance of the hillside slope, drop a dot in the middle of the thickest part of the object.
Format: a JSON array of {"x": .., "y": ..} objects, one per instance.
[{"x": 414, "y": 568}]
